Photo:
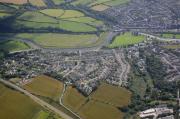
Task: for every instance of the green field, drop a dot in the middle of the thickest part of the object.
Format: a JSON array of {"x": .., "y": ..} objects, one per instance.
[
  {"x": 46, "y": 87},
  {"x": 46, "y": 115},
  {"x": 49, "y": 40},
  {"x": 12, "y": 45},
  {"x": 125, "y": 40},
  {"x": 16, "y": 105},
  {"x": 38, "y": 3},
  {"x": 2, "y": 14},
  {"x": 67, "y": 20},
  {"x": 58, "y": 2}
]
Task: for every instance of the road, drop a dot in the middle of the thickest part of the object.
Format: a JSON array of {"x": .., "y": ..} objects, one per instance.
[
  {"x": 36, "y": 99},
  {"x": 124, "y": 65},
  {"x": 159, "y": 38},
  {"x": 64, "y": 88},
  {"x": 61, "y": 102}
]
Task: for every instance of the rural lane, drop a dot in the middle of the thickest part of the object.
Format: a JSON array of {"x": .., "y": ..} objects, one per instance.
[{"x": 37, "y": 100}]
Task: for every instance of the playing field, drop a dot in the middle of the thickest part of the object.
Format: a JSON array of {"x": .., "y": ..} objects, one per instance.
[
  {"x": 46, "y": 87},
  {"x": 12, "y": 45},
  {"x": 116, "y": 96},
  {"x": 126, "y": 39},
  {"x": 73, "y": 99},
  {"x": 14, "y": 104}
]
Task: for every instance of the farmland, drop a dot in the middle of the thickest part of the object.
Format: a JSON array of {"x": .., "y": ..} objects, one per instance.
[
  {"x": 58, "y": 2},
  {"x": 12, "y": 45},
  {"x": 15, "y": 103},
  {"x": 7, "y": 10},
  {"x": 96, "y": 110},
  {"x": 14, "y": 1},
  {"x": 73, "y": 98},
  {"x": 67, "y": 20},
  {"x": 50, "y": 40},
  {"x": 38, "y": 3},
  {"x": 45, "y": 86},
  {"x": 102, "y": 104},
  {"x": 100, "y": 5},
  {"x": 121, "y": 94},
  {"x": 126, "y": 39}
]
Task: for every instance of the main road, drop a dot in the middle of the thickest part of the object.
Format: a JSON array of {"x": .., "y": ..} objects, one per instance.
[{"x": 37, "y": 100}]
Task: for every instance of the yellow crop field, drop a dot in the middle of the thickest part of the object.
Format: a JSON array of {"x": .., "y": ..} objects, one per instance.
[
  {"x": 96, "y": 110},
  {"x": 14, "y": 104},
  {"x": 73, "y": 98},
  {"x": 111, "y": 94},
  {"x": 45, "y": 86}
]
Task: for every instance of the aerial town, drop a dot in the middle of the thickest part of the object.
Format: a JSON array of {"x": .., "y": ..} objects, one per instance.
[{"x": 90, "y": 59}]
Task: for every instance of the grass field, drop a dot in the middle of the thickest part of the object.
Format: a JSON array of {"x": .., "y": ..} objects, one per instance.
[
  {"x": 14, "y": 104},
  {"x": 3, "y": 14},
  {"x": 12, "y": 45},
  {"x": 46, "y": 115},
  {"x": 58, "y": 2},
  {"x": 100, "y": 7},
  {"x": 38, "y": 3},
  {"x": 53, "y": 12},
  {"x": 125, "y": 40},
  {"x": 62, "y": 40},
  {"x": 46, "y": 87},
  {"x": 96, "y": 110},
  {"x": 117, "y": 96},
  {"x": 14, "y": 1}
]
